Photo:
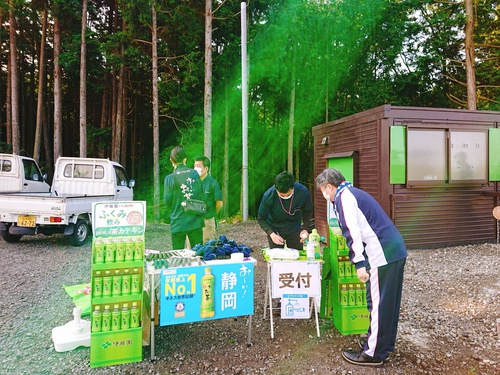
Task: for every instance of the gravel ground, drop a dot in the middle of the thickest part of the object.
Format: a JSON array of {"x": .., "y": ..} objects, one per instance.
[{"x": 450, "y": 319}]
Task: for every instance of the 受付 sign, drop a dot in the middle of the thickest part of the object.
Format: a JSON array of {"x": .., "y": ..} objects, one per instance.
[{"x": 296, "y": 277}]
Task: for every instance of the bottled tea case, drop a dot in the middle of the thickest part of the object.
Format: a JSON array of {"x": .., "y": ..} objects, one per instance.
[{"x": 117, "y": 284}]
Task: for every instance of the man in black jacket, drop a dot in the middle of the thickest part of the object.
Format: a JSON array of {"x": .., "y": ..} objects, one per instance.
[{"x": 285, "y": 212}]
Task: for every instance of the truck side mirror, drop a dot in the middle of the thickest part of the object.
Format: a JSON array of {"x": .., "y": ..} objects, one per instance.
[{"x": 131, "y": 183}]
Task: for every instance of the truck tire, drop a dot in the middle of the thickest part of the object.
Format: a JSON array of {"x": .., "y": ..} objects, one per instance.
[
  {"x": 80, "y": 234},
  {"x": 11, "y": 238}
]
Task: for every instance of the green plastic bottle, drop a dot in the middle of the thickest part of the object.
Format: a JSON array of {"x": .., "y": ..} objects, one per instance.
[
  {"x": 135, "y": 282},
  {"x": 341, "y": 267},
  {"x": 117, "y": 284},
  {"x": 125, "y": 316},
  {"x": 97, "y": 285},
  {"x": 107, "y": 284},
  {"x": 98, "y": 251},
  {"x": 126, "y": 282},
  {"x": 106, "y": 319},
  {"x": 109, "y": 253},
  {"x": 129, "y": 249},
  {"x": 348, "y": 268},
  {"x": 115, "y": 318},
  {"x": 207, "y": 294},
  {"x": 314, "y": 240},
  {"x": 351, "y": 295},
  {"x": 97, "y": 319},
  {"x": 138, "y": 248},
  {"x": 120, "y": 250},
  {"x": 135, "y": 316},
  {"x": 344, "y": 301},
  {"x": 359, "y": 295}
]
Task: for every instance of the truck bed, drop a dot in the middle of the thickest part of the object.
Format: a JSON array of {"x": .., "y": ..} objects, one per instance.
[{"x": 43, "y": 206}]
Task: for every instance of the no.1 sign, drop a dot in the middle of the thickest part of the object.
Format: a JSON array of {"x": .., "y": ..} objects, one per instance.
[{"x": 218, "y": 289}]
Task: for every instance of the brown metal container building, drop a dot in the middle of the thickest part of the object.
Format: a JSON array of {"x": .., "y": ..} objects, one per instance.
[{"x": 435, "y": 171}]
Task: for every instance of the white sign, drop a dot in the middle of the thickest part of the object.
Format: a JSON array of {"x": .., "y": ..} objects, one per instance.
[
  {"x": 117, "y": 219},
  {"x": 295, "y": 277},
  {"x": 295, "y": 306}
]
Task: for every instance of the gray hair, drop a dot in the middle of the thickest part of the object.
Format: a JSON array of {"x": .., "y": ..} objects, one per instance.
[{"x": 329, "y": 176}]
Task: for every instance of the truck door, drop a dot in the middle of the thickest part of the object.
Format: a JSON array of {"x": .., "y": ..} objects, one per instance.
[
  {"x": 124, "y": 191},
  {"x": 33, "y": 178}
]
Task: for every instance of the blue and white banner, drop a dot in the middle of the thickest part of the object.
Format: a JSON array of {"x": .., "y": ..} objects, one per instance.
[{"x": 215, "y": 290}]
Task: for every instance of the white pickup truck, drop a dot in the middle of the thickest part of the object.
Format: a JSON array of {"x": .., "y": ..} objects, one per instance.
[
  {"x": 20, "y": 174},
  {"x": 67, "y": 207}
]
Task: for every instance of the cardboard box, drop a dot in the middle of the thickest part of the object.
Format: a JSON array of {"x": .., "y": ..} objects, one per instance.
[
  {"x": 350, "y": 320},
  {"x": 116, "y": 347}
]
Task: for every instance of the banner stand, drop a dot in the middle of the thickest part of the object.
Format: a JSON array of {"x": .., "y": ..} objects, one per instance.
[{"x": 293, "y": 282}]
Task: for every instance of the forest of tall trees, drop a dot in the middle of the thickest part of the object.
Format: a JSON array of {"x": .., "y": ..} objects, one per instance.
[{"x": 129, "y": 79}]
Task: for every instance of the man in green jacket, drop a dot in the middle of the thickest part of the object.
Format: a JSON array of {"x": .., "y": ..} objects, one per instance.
[
  {"x": 183, "y": 183},
  {"x": 212, "y": 196}
]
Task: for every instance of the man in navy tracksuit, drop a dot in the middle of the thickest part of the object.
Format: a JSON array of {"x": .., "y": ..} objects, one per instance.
[{"x": 377, "y": 249}]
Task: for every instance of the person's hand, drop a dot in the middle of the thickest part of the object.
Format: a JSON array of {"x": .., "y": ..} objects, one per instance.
[
  {"x": 277, "y": 239},
  {"x": 303, "y": 235},
  {"x": 362, "y": 274}
]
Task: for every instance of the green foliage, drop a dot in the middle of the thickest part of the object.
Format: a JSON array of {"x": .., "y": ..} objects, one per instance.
[
  {"x": 5, "y": 148},
  {"x": 340, "y": 57}
]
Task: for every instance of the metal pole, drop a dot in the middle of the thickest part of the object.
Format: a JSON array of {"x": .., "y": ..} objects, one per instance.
[{"x": 244, "y": 110}]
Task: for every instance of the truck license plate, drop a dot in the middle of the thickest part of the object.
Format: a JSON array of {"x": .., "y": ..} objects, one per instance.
[{"x": 26, "y": 221}]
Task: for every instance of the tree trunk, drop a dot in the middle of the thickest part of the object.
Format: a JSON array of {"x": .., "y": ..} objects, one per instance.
[
  {"x": 114, "y": 90},
  {"x": 156, "y": 128},
  {"x": 104, "y": 114},
  {"x": 41, "y": 81},
  {"x": 1, "y": 62},
  {"x": 117, "y": 141},
  {"x": 124, "y": 111},
  {"x": 207, "y": 103},
  {"x": 297, "y": 161},
  {"x": 8, "y": 105},
  {"x": 291, "y": 119},
  {"x": 58, "y": 136},
  {"x": 14, "y": 84},
  {"x": 469, "y": 55},
  {"x": 83, "y": 85},
  {"x": 46, "y": 143},
  {"x": 225, "y": 173}
]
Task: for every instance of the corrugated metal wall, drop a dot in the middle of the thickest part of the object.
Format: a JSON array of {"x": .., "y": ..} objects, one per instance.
[
  {"x": 454, "y": 215},
  {"x": 360, "y": 133},
  {"x": 429, "y": 218}
]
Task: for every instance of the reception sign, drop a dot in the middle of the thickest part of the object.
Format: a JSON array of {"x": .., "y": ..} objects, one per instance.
[
  {"x": 215, "y": 290},
  {"x": 295, "y": 277}
]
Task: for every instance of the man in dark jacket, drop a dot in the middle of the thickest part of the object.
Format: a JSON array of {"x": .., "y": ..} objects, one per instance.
[
  {"x": 183, "y": 183},
  {"x": 377, "y": 250},
  {"x": 285, "y": 212}
]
